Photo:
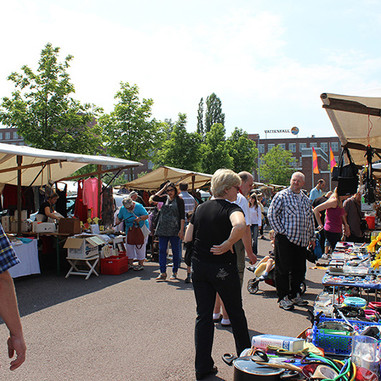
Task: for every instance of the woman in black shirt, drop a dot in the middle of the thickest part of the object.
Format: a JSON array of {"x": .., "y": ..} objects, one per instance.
[{"x": 215, "y": 226}]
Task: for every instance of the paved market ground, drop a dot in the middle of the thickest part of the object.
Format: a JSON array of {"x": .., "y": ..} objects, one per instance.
[{"x": 128, "y": 327}]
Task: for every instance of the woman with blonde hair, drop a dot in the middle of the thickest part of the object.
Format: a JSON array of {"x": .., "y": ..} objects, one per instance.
[
  {"x": 335, "y": 218},
  {"x": 214, "y": 227}
]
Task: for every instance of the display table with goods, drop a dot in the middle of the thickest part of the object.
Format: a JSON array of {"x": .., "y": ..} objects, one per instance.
[{"x": 27, "y": 252}]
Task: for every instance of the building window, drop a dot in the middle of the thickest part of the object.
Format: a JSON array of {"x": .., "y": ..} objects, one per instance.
[
  {"x": 324, "y": 147},
  {"x": 15, "y": 136},
  {"x": 335, "y": 146},
  {"x": 1, "y": 136},
  {"x": 261, "y": 148},
  {"x": 7, "y": 136},
  {"x": 283, "y": 146},
  {"x": 270, "y": 146},
  {"x": 313, "y": 145},
  {"x": 292, "y": 147},
  {"x": 302, "y": 145}
]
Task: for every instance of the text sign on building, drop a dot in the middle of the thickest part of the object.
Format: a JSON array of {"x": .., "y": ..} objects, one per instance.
[{"x": 294, "y": 131}]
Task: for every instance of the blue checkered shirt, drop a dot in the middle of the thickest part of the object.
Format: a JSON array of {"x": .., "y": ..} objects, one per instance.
[
  {"x": 291, "y": 214},
  {"x": 7, "y": 254}
]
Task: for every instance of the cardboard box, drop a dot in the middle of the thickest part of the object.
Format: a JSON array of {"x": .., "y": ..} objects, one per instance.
[
  {"x": 114, "y": 265},
  {"x": 43, "y": 227},
  {"x": 118, "y": 243},
  {"x": 24, "y": 215},
  {"x": 83, "y": 246},
  {"x": 69, "y": 226},
  {"x": 24, "y": 226},
  {"x": 6, "y": 222}
]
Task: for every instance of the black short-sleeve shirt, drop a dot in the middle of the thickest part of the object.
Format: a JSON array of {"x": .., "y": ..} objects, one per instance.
[{"x": 212, "y": 226}]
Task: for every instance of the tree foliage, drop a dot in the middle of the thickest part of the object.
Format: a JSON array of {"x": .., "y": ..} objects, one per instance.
[
  {"x": 243, "y": 151},
  {"x": 130, "y": 131},
  {"x": 182, "y": 149},
  {"x": 276, "y": 166},
  {"x": 200, "y": 117},
  {"x": 43, "y": 111},
  {"x": 213, "y": 113},
  {"x": 215, "y": 152}
]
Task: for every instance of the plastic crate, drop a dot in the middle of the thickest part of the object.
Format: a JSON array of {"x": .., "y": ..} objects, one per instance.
[
  {"x": 337, "y": 344},
  {"x": 114, "y": 265}
]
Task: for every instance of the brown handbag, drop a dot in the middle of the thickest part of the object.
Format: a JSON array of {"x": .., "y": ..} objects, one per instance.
[{"x": 135, "y": 235}]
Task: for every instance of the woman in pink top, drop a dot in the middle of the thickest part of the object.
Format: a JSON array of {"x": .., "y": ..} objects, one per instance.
[{"x": 335, "y": 218}]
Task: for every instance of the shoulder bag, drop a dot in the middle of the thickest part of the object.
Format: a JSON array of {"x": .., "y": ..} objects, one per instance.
[
  {"x": 135, "y": 235},
  {"x": 346, "y": 175}
]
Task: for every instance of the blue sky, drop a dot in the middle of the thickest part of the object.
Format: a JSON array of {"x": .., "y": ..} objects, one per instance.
[{"x": 268, "y": 61}]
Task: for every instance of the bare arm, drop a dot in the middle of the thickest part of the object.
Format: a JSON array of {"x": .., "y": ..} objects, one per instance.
[
  {"x": 10, "y": 314},
  {"x": 189, "y": 233},
  {"x": 331, "y": 203},
  {"x": 238, "y": 229}
]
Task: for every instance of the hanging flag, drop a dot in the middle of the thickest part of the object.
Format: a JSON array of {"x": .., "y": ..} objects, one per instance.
[
  {"x": 331, "y": 159},
  {"x": 315, "y": 167}
]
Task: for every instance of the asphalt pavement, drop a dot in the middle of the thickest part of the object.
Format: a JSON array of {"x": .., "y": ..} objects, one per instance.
[{"x": 129, "y": 327}]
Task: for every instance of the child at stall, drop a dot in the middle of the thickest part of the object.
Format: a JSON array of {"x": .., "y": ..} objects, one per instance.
[{"x": 262, "y": 269}]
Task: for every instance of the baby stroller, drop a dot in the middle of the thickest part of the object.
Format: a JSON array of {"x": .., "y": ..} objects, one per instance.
[{"x": 253, "y": 284}]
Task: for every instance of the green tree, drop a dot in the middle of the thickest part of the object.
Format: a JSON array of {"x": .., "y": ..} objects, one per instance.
[
  {"x": 182, "y": 149},
  {"x": 131, "y": 132},
  {"x": 42, "y": 110},
  {"x": 243, "y": 151},
  {"x": 200, "y": 117},
  {"x": 213, "y": 112},
  {"x": 276, "y": 166},
  {"x": 215, "y": 152}
]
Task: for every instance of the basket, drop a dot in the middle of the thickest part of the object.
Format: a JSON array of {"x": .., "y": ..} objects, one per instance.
[{"x": 335, "y": 343}]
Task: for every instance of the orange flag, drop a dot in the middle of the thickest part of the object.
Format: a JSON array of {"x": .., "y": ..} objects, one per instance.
[
  {"x": 315, "y": 161},
  {"x": 332, "y": 160}
]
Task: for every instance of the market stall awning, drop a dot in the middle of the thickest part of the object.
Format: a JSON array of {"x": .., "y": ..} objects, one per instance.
[
  {"x": 154, "y": 179},
  {"x": 38, "y": 166},
  {"x": 357, "y": 122}
]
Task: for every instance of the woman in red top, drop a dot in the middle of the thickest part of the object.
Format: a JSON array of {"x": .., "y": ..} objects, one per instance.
[{"x": 335, "y": 218}]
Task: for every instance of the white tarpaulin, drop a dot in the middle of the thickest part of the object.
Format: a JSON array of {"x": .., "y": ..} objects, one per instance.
[
  {"x": 154, "y": 179},
  {"x": 39, "y": 166},
  {"x": 357, "y": 122}
]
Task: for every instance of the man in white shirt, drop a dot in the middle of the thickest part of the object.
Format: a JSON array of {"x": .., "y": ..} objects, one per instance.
[{"x": 245, "y": 243}]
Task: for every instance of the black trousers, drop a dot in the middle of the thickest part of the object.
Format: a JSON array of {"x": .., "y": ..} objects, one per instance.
[
  {"x": 208, "y": 279},
  {"x": 290, "y": 266},
  {"x": 333, "y": 238}
]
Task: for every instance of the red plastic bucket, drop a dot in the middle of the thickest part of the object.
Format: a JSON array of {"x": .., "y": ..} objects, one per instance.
[{"x": 371, "y": 221}]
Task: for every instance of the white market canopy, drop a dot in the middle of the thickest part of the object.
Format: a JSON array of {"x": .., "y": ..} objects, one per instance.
[
  {"x": 38, "y": 166},
  {"x": 154, "y": 179},
  {"x": 357, "y": 122}
]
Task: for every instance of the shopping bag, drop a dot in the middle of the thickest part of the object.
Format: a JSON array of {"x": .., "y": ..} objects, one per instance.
[
  {"x": 135, "y": 235},
  {"x": 349, "y": 170}
]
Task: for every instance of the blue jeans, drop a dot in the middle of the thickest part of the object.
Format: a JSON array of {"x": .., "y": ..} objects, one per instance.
[
  {"x": 163, "y": 245},
  {"x": 254, "y": 237}
]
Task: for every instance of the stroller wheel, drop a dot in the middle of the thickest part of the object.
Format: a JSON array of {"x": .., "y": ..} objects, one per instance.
[
  {"x": 303, "y": 288},
  {"x": 252, "y": 286}
]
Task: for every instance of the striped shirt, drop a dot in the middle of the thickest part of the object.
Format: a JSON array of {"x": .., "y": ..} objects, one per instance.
[
  {"x": 291, "y": 214},
  {"x": 7, "y": 255}
]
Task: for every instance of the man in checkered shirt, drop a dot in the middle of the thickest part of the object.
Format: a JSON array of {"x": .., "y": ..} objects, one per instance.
[
  {"x": 8, "y": 303},
  {"x": 290, "y": 215}
]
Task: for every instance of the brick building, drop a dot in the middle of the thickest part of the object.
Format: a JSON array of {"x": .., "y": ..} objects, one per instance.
[
  {"x": 9, "y": 135},
  {"x": 301, "y": 149}
]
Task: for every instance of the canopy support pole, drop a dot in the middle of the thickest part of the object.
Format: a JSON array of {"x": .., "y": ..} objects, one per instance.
[{"x": 19, "y": 194}]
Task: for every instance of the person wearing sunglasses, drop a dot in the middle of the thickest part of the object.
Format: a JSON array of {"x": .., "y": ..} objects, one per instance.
[{"x": 169, "y": 228}]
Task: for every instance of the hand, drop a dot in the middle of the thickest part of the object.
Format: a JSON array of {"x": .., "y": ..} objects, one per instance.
[
  {"x": 252, "y": 258},
  {"x": 181, "y": 234},
  {"x": 312, "y": 244},
  {"x": 221, "y": 249},
  {"x": 16, "y": 344},
  {"x": 320, "y": 228},
  {"x": 137, "y": 219}
]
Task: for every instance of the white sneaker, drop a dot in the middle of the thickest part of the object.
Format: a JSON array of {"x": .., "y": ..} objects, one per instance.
[
  {"x": 225, "y": 323},
  {"x": 286, "y": 304},
  {"x": 299, "y": 301}
]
